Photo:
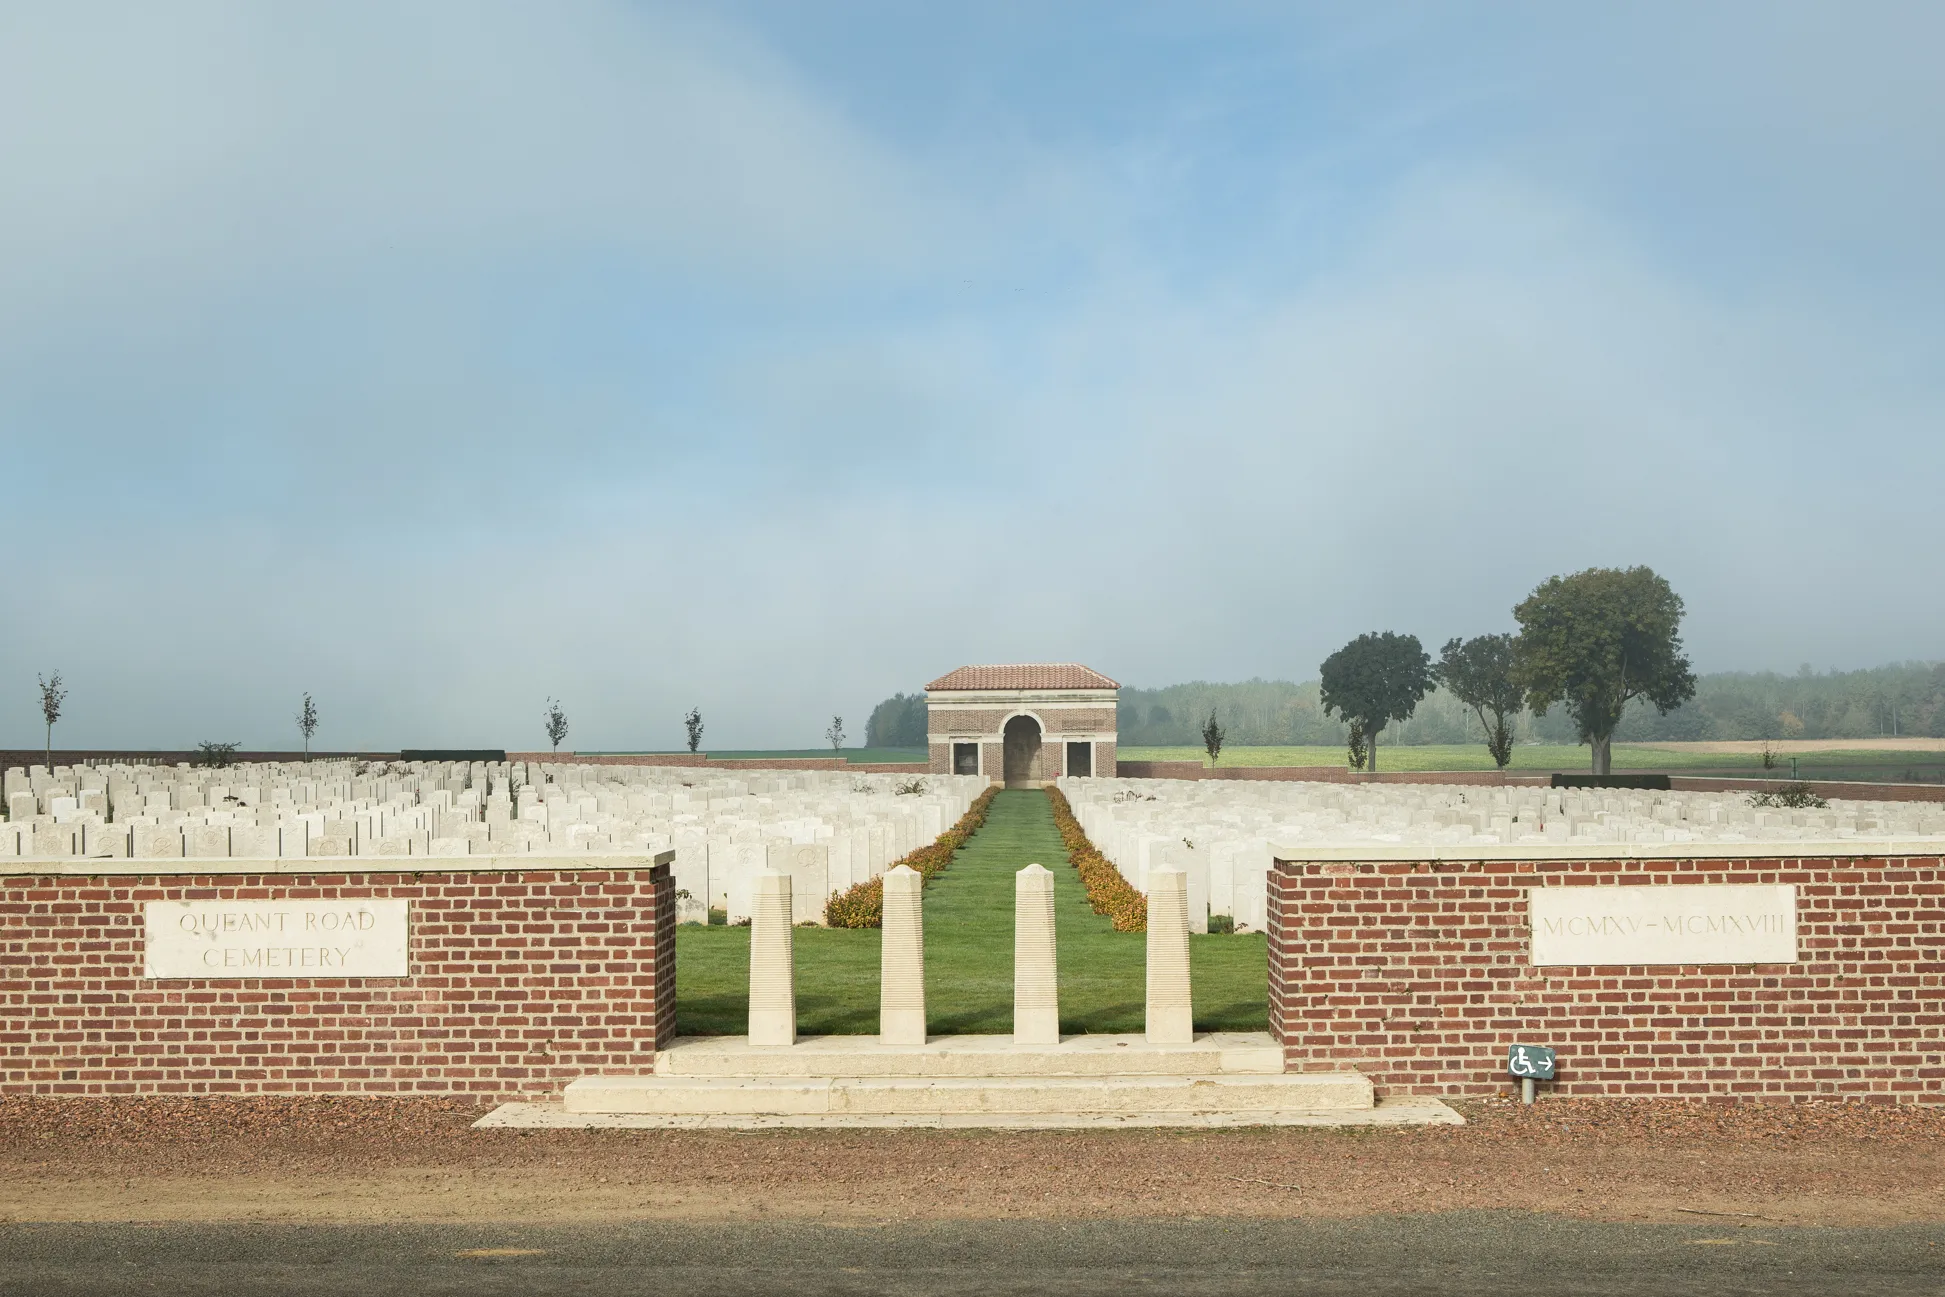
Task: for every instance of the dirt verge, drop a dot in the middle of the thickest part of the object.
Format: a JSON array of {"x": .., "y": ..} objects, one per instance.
[{"x": 351, "y": 1161}]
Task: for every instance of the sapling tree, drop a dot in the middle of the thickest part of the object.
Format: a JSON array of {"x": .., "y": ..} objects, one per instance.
[
  {"x": 835, "y": 734},
  {"x": 1598, "y": 639},
  {"x": 693, "y": 723},
  {"x": 1212, "y": 737},
  {"x": 216, "y": 756},
  {"x": 1376, "y": 678},
  {"x": 307, "y": 723},
  {"x": 1354, "y": 746},
  {"x": 1479, "y": 672},
  {"x": 52, "y": 696},
  {"x": 556, "y": 723}
]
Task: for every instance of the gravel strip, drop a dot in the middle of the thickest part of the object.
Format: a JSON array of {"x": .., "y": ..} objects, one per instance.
[{"x": 365, "y": 1159}]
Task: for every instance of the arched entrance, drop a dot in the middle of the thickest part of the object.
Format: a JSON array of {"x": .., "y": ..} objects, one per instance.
[{"x": 1022, "y": 746}]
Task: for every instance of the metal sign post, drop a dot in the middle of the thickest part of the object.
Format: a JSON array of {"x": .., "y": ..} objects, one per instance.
[{"x": 1529, "y": 1063}]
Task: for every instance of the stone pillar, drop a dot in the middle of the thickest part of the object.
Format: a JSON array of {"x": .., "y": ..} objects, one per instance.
[
  {"x": 773, "y": 974},
  {"x": 1036, "y": 995},
  {"x": 1170, "y": 1014},
  {"x": 901, "y": 961}
]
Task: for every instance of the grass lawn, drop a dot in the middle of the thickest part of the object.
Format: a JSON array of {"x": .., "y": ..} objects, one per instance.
[
  {"x": 1874, "y": 766},
  {"x": 969, "y": 954}
]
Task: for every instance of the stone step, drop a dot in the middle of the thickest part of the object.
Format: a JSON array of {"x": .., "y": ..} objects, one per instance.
[
  {"x": 1216, "y": 1054},
  {"x": 995, "y": 1095}
]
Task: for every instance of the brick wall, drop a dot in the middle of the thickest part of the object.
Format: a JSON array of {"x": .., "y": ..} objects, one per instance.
[
  {"x": 1416, "y": 974},
  {"x": 520, "y": 982}
]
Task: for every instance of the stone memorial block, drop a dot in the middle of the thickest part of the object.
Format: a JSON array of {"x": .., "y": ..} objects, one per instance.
[
  {"x": 901, "y": 964},
  {"x": 773, "y": 986},
  {"x": 1036, "y": 994},
  {"x": 1679, "y": 923},
  {"x": 54, "y": 840},
  {"x": 22, "y": 806},
  {"x": 332, "y": 845},
  {"x": 1170, "y": 1018},
  {"x": 449, "y": 847},
  {"x": 310, "y": 938}
]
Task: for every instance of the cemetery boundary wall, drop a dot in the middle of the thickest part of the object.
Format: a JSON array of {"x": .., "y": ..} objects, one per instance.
[
  {"x": 1848, "y": 790},
  {"x": 1417, "y": 973},
  {"x": 520, "y": 980}
]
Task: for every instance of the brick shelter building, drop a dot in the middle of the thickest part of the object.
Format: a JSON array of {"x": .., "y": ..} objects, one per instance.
[{"x": 1023, "y": 724}]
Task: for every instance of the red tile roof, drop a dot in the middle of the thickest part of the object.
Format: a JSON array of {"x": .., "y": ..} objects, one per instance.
[{"x": 1029, "y": 675}]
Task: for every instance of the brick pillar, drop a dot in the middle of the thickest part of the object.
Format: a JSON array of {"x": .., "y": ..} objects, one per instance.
[
  {"x": 1281, "y": 953},
  {"x": 662, "y": 878}
]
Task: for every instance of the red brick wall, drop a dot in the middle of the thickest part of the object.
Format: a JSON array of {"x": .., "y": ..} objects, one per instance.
[
  {"x": 1416, "y": 974},
  {"x": 520, "y": 982}
]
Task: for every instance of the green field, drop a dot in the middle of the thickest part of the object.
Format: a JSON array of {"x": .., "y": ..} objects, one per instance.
[
  {"x": 1866, "y": 764},
  {"x": 856, "y": 756},
  {"x": 969, "y": 954}
]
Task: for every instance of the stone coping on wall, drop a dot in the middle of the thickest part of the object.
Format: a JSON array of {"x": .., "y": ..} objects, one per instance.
[
  {"x": 118, "y": 867},
  {"x": 1804, "y": 849}
]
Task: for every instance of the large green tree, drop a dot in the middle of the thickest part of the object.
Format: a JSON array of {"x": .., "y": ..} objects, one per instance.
[
  {"x": 1598, "y": 639},
  {"x": 1375, "y": 679},
  {"x": 1479, "y": 672}
]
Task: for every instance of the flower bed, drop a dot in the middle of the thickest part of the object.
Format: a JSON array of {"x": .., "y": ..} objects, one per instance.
[
  {"x": 1107, "y": 891},
  {"x": 863, "y": 906}
]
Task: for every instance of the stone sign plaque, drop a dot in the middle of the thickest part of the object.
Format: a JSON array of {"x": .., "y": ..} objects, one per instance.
[
  {"x": 235, "y": 939},
  {"x": 1681, "y": 923}
]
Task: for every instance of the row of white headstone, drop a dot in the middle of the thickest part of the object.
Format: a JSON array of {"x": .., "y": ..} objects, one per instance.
[
  {"x": 1220, "y": 832},
  {"x": 829, "y": 829},
  {"x": 901, "y": 987}
]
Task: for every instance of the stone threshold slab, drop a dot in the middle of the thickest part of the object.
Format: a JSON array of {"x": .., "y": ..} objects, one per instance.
[
  {"x": 1228, "y": 1053},
  {"x": 1404, "y": 1111},
  {"x": 947, "y": 1095}
]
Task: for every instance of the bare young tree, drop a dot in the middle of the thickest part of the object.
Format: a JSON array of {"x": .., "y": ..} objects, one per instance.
[
  {"x": 835, "y": 735},
  {"x": 556, "y": 723},
  {"x": 693, "y": 723},
  {"x": 52, "y": 696},
  {"x": 307, "y": 723},
  {"x": 1212, "y": 737}
]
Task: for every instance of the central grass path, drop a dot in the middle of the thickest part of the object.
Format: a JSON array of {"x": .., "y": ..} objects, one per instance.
[{"x": 969, "y": 953}]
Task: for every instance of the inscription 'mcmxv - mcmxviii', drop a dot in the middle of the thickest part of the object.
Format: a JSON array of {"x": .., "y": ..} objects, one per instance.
[{"x": 1683, "y": 923}]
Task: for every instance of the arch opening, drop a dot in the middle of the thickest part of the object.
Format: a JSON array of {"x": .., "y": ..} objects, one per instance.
[{"x": 1022, "y": 736}]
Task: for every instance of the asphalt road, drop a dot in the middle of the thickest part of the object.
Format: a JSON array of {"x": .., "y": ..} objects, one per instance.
[{"x": 1455, "y": 1253}]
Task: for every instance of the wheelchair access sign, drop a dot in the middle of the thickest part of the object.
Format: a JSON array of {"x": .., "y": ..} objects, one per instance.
[{"x": 1530, "y": 1061}]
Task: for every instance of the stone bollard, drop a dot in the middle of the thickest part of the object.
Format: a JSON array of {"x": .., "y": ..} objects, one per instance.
[
  {"x": 773, "y": 973},
  {"x": 1036, "y": 995},
  {"x": 901, "y": 961},
  {"x": 1171, "y": 1019}
]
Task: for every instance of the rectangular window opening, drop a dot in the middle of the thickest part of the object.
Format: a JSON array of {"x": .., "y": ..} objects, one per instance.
[
  {"x": 965, "y": 758},
  {"x": 1080, "y": 759}
]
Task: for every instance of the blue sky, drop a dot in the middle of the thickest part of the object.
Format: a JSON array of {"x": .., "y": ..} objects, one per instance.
[{"x": 437, "y": 359}]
